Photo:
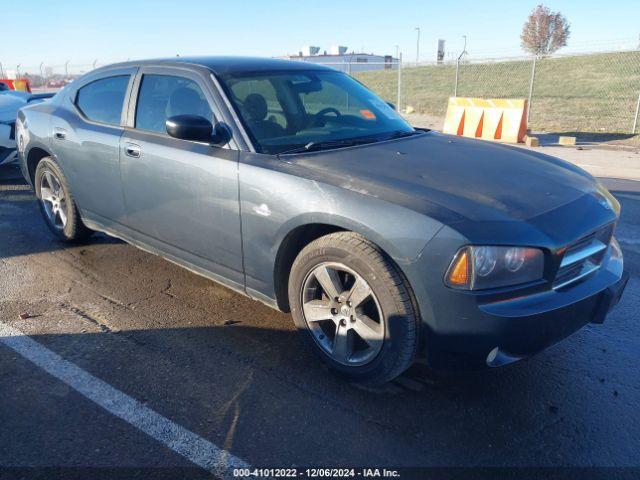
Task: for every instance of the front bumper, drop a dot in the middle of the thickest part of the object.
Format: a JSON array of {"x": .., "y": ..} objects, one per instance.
[{"x": 471, "y": 331}]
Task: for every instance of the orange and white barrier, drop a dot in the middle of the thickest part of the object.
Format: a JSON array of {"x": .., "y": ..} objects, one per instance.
[{"x": 503, "y": 120}]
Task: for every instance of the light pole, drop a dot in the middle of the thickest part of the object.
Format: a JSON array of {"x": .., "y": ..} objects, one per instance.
[
  {"x": 397, "y": 50},
  {"x": 417, "y": 29}
]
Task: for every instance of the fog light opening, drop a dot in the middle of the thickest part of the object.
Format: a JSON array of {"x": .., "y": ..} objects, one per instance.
[
  {"x": 492, "y": 356},
  {"x": 499, "y": 358}
]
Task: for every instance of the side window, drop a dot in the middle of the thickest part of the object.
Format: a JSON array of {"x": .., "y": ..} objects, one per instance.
[
  {"x": 164, "y": 96},
  {"x": 102, "y": 100}
]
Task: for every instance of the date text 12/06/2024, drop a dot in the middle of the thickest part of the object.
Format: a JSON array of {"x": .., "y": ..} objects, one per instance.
[{"x": 316, "y": 473}]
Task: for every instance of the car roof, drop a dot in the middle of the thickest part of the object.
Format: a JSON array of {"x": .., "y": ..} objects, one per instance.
[{"x": 222, "y": 65}]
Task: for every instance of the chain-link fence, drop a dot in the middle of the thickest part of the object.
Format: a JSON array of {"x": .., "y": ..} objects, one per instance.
[
  {"x": 46, "y": 77},
  {"x": 597, "y": 92}
]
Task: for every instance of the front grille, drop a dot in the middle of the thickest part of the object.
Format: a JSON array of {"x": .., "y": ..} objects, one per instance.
[{"x": 583, "y": 257}]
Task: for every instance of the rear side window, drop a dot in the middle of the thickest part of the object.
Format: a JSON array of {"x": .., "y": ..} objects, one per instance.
[
  {"x": 102, "y": 100},
  {"x": 164, "y": 96}
]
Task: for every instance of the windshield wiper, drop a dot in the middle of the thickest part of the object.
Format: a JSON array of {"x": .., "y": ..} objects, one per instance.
[
  {"x": 303, "y": 148},
  {"x": 402, "y": 134},
  {"x": 349, "y": 142},
  {"x": 327, "y": 144}
]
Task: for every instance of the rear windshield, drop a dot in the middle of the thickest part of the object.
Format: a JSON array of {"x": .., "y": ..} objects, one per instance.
[{"x": 286, "y": 110}]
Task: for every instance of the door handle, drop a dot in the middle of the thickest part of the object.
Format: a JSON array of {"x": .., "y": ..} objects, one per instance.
[
  {"x": 132, "y": 150},
  {"x": 59, "y": 133}
]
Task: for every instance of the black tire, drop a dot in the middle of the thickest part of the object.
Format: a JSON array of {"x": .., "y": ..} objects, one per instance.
[
  {"x": 73, "y": 230},
  {"x": 394, "y": 300}
]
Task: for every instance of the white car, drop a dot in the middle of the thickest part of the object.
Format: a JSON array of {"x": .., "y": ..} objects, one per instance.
[{"x": 10, "y": 102}]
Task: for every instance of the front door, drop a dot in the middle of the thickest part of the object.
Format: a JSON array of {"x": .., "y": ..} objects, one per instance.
[{"x": 180, "y": 196}]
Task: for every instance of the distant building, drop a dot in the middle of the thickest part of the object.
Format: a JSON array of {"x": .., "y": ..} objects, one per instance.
[{"x": 348, "y": 62}]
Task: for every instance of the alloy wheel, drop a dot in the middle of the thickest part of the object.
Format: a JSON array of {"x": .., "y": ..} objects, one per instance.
[
  {"x": 53, "y": 199},
  {"x": 343, "y": 314}
]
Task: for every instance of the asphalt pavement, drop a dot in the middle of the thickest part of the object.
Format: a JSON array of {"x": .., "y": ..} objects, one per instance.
[{"x": 130, "y": 365}]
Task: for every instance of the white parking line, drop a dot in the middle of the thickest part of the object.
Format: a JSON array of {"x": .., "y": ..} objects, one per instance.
[{"x": 182, "y": 441}]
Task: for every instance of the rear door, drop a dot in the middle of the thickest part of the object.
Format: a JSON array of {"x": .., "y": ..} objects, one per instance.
[
  {"x": 181, "y": 196},
  {"x": 85, "y": 137}
]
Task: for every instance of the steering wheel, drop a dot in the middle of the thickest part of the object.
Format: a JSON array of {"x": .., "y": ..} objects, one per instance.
[{"x": 322, "y": 113}]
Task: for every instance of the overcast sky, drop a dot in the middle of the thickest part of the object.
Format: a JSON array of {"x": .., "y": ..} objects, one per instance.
[{"x": 83, "y": 31}]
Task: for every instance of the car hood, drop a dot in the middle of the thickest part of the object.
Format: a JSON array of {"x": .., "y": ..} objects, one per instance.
[
  {"x": 452, "y": 178},
  {"x": 10, "y": 102}
]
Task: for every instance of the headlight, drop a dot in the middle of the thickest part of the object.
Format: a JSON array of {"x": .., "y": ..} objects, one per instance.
[{"x": 482, "y": 267}]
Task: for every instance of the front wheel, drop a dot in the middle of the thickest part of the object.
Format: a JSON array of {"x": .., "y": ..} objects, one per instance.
[
  {"x": 353, "y": 308},
  {"x": 56, "y": 202}
]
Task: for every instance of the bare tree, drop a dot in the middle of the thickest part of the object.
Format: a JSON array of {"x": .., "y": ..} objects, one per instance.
[{"x": 544, "y": 32}]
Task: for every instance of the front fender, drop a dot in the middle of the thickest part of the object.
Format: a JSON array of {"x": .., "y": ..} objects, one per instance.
[
  {"x": 401, "y": 234},
  {"x": 274, "y": 202}
]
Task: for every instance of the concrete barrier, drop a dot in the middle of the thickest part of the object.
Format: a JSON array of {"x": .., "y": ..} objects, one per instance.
[{"x": 498, "y": 119}]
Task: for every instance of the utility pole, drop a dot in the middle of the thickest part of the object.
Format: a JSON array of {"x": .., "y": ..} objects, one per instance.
[{"x": 417, "y": 29}]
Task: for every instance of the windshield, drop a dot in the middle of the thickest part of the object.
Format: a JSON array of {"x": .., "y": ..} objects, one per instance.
[{"x": 286, "y": 111}]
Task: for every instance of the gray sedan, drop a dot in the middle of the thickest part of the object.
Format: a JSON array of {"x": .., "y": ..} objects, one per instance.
[{"x": 297, "y": 186}]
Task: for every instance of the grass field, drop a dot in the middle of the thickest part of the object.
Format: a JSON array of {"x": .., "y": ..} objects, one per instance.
[{"x": 588, "y": 93}]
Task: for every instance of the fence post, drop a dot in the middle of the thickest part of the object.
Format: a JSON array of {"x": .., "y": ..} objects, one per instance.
[
  {"x": 44, "y": 81},
  {"x": 635, "y": 119},
  {"x": 398, "y": 108},
  {"x": 455, "y": 87},
  {"x": 531, "y": 82}
]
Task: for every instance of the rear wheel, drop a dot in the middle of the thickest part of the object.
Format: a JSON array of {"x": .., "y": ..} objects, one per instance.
[
  {"x": 56, "y": 202},
  {"x": 353, "y": 308}
]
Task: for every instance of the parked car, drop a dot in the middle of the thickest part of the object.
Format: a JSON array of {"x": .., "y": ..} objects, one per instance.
[
  {"x": 294, "y": 184},
  {"x": 20, "y": 84},
  {"x": 10, "y": 102}
]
